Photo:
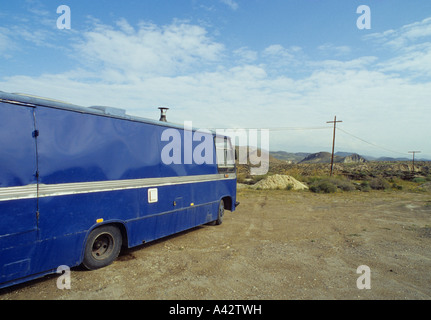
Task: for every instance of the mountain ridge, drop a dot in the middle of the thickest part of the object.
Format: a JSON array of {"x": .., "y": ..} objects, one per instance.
[{"x": 325, "y": 157}]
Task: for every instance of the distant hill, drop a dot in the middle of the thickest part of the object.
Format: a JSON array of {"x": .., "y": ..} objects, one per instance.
[
  {"x": 289, "y": 156},
  {"x": 319, "y": 157},
  {"x": 343, "y": 153},
  {"x": 325, "y": 157},
  {"x": 393, "y": 159},
  {"x": 354, "y": 158}
]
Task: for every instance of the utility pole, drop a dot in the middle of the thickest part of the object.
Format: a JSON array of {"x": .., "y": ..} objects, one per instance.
[
  {"x": 333, "y": 142},
  {"x": 414, "y": 152}
]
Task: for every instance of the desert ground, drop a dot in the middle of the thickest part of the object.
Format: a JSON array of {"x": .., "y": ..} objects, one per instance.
[{"x": 278, "y": 245}]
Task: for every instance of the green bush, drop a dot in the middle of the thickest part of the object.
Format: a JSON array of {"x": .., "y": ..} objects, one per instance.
[
  {"x": 397, "y": 186},
  {"x": 379, "y": 184},
  {"x": 330, "y": 185},
  {"x": 344, "y": 184},
  {"x": 365, "y": 186},
  {"x": 323, "y": 186},
  {"x": 419, "y": 180}
]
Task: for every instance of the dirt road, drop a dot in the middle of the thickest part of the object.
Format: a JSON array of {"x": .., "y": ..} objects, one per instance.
[{"x": 277, "y": 245}]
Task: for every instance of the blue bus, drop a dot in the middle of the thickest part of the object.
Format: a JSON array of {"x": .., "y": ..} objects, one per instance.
[{"x": 79, "y": 183}]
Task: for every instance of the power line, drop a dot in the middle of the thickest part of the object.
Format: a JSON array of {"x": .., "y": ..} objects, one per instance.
[
  {"x": 370, "y": 143},
  {"x": 299, "y": 129},
  {"x": 275, "y": 128}
]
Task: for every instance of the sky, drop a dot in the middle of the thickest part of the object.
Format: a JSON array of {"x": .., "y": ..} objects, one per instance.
[{"x": 289, "y": 66}]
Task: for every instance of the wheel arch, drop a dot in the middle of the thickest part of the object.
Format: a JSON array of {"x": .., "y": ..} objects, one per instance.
[
  {"x": 227, "y": 202},
  {"x": 120, "y": 225}
]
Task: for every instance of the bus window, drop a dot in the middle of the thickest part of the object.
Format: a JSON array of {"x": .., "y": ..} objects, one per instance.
[{"x": 225, "y": 155}]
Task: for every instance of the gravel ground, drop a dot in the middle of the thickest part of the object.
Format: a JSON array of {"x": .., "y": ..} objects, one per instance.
[{"x": 278, "y": 245}]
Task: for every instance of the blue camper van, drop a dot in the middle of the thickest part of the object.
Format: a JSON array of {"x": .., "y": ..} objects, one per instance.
[{"x": 77, "y": 184}]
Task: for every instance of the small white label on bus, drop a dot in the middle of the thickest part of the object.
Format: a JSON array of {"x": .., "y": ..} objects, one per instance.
[{"x": 152, "y": 195}]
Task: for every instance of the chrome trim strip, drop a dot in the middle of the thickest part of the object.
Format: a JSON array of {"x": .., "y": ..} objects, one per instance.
[
  {"x": 51, "y": 190},
  {"x": 15, "y": 193}
]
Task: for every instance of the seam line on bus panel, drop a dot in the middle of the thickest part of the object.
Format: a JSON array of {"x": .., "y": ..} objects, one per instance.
[
  {"x": 171, "y": 211},
  {"x": 30, "y": 191}
]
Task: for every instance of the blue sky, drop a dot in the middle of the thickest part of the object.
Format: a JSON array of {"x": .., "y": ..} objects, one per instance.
[{"x": 236, "y": 63}]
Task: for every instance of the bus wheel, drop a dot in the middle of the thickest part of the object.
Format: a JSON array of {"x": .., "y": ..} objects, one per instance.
[
  {"x": 102, "y": 248},
  {"x": 220, "y": 215}
]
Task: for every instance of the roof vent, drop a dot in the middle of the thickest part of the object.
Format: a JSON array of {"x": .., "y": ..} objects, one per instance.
[{"x": 163, "y": 112}]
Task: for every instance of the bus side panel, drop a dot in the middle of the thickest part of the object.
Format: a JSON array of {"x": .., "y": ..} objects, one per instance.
[
  {"x": 65, "y": 220},
  {"x": 17, "y": 146},
  {"x": 18, "y": 167},
  {"x": 64, "y": 215},
  {"x": 170, "y": 214},
  {"x": 75, "y": 147},
  {"x": 17, "y": 223},
  {"x": 162, "y": 225},
  {"x": 64, "y": 223},
  {"x": 180, "y": 207},
  {"x": 17, "y": 262},
  {"x": 35, "y": 259}
]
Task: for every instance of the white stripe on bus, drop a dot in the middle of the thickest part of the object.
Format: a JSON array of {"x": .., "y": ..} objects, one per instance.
[{"x": 51, "y": 190}]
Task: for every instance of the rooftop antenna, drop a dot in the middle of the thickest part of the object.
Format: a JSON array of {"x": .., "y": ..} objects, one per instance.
[{"x": 163, "y": 111}]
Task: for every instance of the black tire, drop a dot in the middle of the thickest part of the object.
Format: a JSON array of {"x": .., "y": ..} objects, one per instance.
[
  {"x": 102, "y": 248},
  {"x": 220, "y": 214}
]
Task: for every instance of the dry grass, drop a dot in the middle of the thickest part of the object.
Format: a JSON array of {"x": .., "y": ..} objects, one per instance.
[{"x": 349, "y": 177}]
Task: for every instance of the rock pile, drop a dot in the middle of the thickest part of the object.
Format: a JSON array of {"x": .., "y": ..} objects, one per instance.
[{"x": 278, "y": 181}]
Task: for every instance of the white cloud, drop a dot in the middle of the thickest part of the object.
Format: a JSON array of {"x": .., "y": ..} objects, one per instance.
[
  {"x": 403, "y": 36},
  {"x": 330, "y": 49},
  {"x": 416, "y": 31},
  {"x": 412, "y": 49},
  {"x": 149, "y": 50},
  {"x": 125, "y": 27},
  {"x": 358, "y": 63},
  {"x": 5, "y": 43},
  {"x": 416, "y": 60},
  {"x": 245, "y": 55},
  {"x": 281, "y": 60},
  {"x": 231, "y": 3},
  {"x": 277, "y": 50},
  {"x": 180, "y": 66}
]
